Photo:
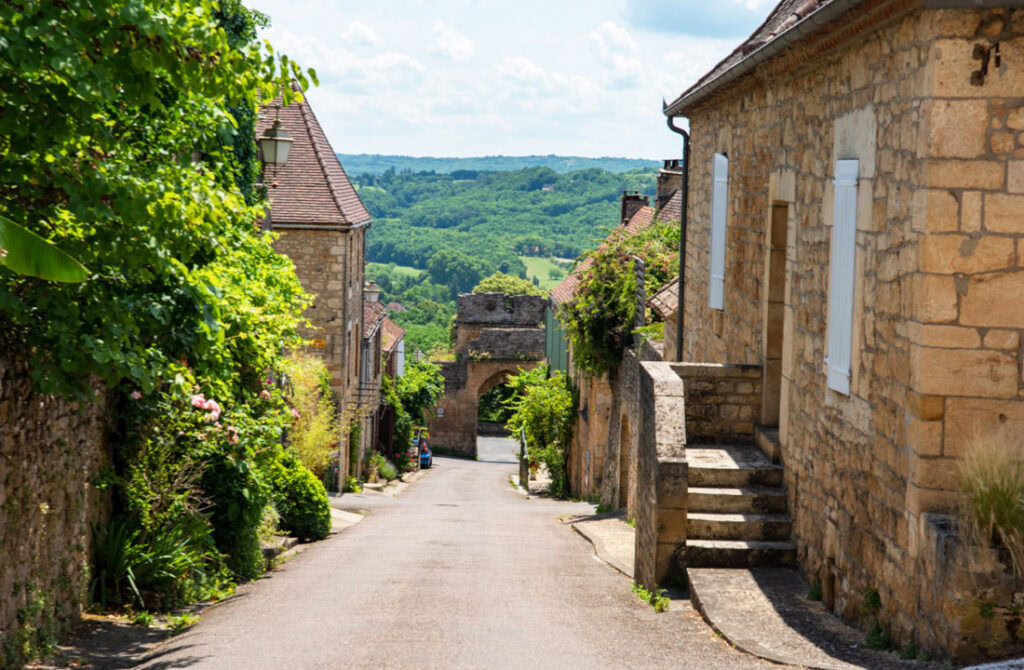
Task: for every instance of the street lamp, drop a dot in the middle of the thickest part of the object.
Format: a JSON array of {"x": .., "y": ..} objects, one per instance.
[{"x": 275, "y": 144}]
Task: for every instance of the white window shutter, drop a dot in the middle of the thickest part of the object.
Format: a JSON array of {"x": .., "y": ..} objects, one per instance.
[
  {"x": 840, "y": 288},
  {"x": 719, "y": 205}
]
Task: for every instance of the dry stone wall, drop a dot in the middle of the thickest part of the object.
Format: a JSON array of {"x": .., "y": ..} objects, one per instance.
[
  {"x": 936, "y": 335},
  {"x": 51, "y": 453}
]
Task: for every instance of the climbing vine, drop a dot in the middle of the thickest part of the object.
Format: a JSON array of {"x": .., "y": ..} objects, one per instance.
[{"x": 599, "y": 321}]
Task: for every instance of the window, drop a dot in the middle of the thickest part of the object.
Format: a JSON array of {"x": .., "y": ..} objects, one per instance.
[
  {"x": 719, "y": 205},
  {"x": 841, "y": 270}
]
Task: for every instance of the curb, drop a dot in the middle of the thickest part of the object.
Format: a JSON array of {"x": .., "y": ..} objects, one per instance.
[{"x": 601, "y": 552}]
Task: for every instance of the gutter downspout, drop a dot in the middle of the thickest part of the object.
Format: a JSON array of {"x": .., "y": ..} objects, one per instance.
[{"x": 684, "y": 199}]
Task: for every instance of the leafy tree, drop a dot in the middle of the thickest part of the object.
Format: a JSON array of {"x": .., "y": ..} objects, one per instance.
[
  {"x": 544, "y": 409},
  {"x": 411, "y": 395},
  {"x": 503, "y": 283},
  {"x": 456, "y": 270}
]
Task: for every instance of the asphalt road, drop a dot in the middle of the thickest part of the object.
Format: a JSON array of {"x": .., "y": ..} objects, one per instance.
[{"x": 459, "y": 571}]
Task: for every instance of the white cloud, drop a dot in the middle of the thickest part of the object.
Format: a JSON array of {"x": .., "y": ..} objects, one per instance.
[
  {"x": 360, "y": 34},
  {"x": 618, "y": 53},
  {"x": 531, "y": 88},
  {"x": 451, "y": 43}
]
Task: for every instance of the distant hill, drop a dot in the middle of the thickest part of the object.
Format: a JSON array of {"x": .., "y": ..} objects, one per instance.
[{"x": 379, "y": 164}]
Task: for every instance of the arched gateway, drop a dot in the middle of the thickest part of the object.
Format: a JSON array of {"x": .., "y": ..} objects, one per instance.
[{"x": 495, "y": 336}]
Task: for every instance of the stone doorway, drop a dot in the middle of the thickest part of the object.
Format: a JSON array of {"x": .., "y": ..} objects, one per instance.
[{"x": 774, "y": 312}]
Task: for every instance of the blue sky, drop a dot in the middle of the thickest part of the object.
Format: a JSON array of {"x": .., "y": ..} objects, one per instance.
[{"x": 480, "y": 77}]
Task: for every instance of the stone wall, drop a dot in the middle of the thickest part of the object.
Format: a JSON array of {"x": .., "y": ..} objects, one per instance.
[
  {"x": 500, "y": 309},
  {"x": 936, "y": 335},
  {"x": 51, "y": 451},
  {"x": 508, "y": 344},
  {"x": 722, "y": 401},
  {"x": 659, "y": 506}
]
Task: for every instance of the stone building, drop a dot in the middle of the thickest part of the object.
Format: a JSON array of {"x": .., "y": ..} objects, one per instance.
[
  {"x": 321, "y": 224},
  {"x": 855, "y": 234}
]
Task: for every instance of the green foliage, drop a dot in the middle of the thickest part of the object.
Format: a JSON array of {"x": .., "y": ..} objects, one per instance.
[
  {"x": 411, "y": 395},
  {"x": 599, "y": 322},
  {"x": 352, "y": 485},
  {"x": 469, "y": 168},
  {"x": 179, "y": 624},
  {"x": 313, "y": 436},
  {"x": 909, "y": 651},
  {"x": 166, "y": 566},
  {"x": 992, "y": 479},
  {"x": 878, "y": 637},
  {"x": 493, "y": 406},
  {"x": 499, "y": 282},
  {"x": 143, "y": 619},
  {"x": 383, "y": 467},
  {"x": 602, "y": 508},
  {"x": 180, "y": 271},
  {"x": 656, "y": 598},
  {"x": 300, "y": 499},
  {"x": 24, "y": 252},
  {"x": 456, "y": 270},
  {"x": 269, "y": 524},
  {"x": 814, "y": 591},
  {"x": 545, "y": 409}
]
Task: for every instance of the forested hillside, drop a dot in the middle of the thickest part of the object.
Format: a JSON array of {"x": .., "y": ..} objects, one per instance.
[
  {"x": 437, "y": 235},
  {"x": 379, "y": 163}
]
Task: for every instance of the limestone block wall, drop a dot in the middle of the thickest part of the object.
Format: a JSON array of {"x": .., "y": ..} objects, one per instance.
[
  {"x": 51, "y": 451},
  {"x": 507, "y": 344},
  {"x": 661, "y": 476},
  {"x": 501, "y": 309},
  {"x": 330, "y": 266},
  {"x": 936, "y": 334},
  {"x": 722, "y": 401}
]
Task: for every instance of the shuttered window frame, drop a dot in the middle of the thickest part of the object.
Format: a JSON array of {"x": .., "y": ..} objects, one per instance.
[
  {"x": 719, "y": 209},
  {"x": 842, "y": 264}
]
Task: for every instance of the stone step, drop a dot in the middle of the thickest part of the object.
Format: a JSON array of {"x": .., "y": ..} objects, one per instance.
[
  {"x": 709, "y": 526},
  {"x": 741, "y": 500},
  {"x": 731, "y": 465},
  {"x": 767, "y": 440},
  {"x": 738, "y": 553}
]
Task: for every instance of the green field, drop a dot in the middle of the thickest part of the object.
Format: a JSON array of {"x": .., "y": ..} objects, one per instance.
[
  {"x": 541, "y": 268},
  {"x": 402, "y": 270}
]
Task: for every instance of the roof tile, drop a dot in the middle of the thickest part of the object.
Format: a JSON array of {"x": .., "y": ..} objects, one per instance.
[{"x": 312, "y": 187}]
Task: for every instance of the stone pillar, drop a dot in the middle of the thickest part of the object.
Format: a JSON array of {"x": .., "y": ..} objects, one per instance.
[{"x": 661, "y": 476}]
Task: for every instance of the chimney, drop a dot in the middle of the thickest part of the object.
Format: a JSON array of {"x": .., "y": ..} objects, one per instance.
[
  {"x": 631, "y": 202},
  {"x": 670, "y": 180}
]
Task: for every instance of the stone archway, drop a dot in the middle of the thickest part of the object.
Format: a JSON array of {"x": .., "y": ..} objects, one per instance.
[{"x": 496, "y": 335}]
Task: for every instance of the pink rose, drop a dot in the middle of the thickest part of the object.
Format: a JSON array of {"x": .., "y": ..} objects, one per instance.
[
  {"x": 264, "y": 394},
  {"x": 198, "y": 401},
  {"x": 136, "y": 395},
  {"x": 295, "y": 413}
]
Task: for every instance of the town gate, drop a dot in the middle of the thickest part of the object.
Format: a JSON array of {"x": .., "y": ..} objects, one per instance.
[{"x": 496, "y": 335}]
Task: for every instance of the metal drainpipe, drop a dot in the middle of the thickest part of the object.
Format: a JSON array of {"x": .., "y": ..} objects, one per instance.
[{"x": 684, "y": 199}]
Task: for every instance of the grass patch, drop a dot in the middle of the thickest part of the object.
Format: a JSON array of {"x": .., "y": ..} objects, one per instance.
[
  {"x": 992, "y": 479},
  {"x": 656, "y": 598},
  {"x": 548, "y": 274},
  {"x": 603, "y": 508},
  {"x": 392, "y": 269}
]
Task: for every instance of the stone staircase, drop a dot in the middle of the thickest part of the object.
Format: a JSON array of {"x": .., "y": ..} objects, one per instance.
[{"x": 736, "y": 509}]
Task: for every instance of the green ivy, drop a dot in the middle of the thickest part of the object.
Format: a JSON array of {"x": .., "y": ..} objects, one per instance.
[{"x": 599, "y": 321}]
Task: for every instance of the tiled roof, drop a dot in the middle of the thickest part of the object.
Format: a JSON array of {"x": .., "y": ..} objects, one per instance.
[
  {"x": 641, "y": 219},
  {"x": 786, "y": 15},
  {"x": 396, "y": 307},
  {"x": 373, "y": 314},
  {"x": 312, "y": 187},
  {"x": 391, "y": 334},
  {"x": 665, "y": 302}
]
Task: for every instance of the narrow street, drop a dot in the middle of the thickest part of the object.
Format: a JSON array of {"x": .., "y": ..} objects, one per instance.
[{"x": 460, "y": 571}]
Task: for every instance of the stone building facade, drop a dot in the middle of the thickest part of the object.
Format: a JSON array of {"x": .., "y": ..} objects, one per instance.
[
  {"x": 321, "y": 226},
  {"x": 928, "y": 103}
]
